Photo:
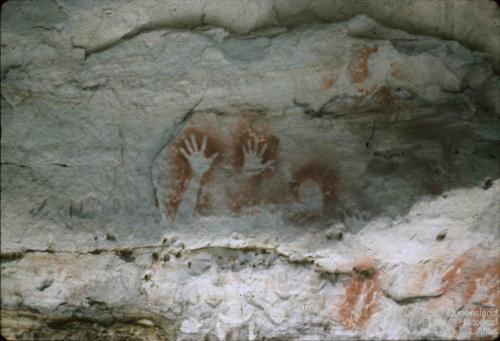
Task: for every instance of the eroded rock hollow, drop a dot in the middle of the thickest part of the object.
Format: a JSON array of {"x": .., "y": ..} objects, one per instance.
[{"x": 250, "y": 170}]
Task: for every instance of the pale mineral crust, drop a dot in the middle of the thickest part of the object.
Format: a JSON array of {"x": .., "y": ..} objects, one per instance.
[{"x": 250, "y": 170}]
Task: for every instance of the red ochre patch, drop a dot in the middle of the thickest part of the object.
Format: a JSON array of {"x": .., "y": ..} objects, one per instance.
[
  {"x": 325, "y": 176},
  {"x": 362, "y": 296},
  {"x": 476, "y": 285},
  {"x": 359, "y": 68}
]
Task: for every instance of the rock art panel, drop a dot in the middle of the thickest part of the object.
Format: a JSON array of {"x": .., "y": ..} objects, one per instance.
[
  {"x": 298, "y": 170},
  {"x": 333, "y": 181},
  {"x": 233, "y": 166}
]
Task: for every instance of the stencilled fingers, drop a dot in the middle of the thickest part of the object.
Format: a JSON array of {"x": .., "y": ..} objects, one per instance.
[
  {"x": 254, "y": 157},
  {"x": 195, "y": 155}
]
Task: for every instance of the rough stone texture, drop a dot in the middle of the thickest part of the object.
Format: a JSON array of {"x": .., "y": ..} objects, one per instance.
[{"x": 190, "y": 170}]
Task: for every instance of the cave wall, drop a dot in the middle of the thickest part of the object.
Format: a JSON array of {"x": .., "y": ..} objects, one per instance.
[{"x": 307, "y": 170}]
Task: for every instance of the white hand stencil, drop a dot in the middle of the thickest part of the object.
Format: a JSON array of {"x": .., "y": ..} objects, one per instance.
[
  {"x": 195, "y": 155},
  {"x": 254, "y": 158}
]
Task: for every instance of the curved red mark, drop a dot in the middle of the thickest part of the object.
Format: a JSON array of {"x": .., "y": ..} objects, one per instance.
[{"x": 325, "y": 177}]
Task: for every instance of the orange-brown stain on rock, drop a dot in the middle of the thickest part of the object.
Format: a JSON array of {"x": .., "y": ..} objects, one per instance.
[
  {"x": 240, "y": 137},
  {"x": 487, "y": 277},
  {"x": 474, "y": 285},
  {"x": 384, "y": 98},
  {"x": 368, "y": 91},
  {"x": 327, "y": 179},
  {"x": 397, "y": 72},
  {"x": 364, "y": 265},
  {"x": 359, "y": 66},
  {"x": 450, "y": 277},
  {"x": 182, "y": 173},
  {"x": 482, "y": 297},
  {"x": 333, "y": 75},
  {"x": 362, "y": 296},
  {"x": 328, "y": 84}
]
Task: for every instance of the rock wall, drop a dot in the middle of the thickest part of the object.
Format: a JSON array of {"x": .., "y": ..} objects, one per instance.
[{"x": 250, "y": 170}]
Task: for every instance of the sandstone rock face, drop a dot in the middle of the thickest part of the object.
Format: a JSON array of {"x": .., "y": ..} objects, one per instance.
[{"x": 189, "y": 170}]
